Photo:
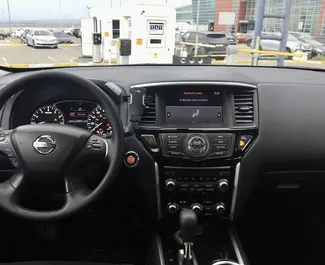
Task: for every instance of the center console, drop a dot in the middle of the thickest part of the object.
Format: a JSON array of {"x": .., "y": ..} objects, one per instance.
[{"x": 197, "y": 134}]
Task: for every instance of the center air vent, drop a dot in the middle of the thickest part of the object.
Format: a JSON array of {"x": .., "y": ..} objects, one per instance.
[
  {"x": 244, "y": 107},
  {"x": 149, "y": 115}
]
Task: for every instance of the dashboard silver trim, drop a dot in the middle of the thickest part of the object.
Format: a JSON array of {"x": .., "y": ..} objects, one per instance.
[
  {"x": 106, "y": 149},
  {"x": 238, "y": 253},
  {"x": 224, "y": 262},
  {"x": 158, "y": 190},
  {"x": 160, "y": 250},
  {"x": 193, "y": 83},
  {"x": 234, "y": 194}
]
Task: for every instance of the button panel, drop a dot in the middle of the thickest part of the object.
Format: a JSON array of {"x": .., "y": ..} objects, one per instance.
[
  {"x": 197, "y": 146},
  {"x": 200, "y": 188},
  {"x": 7, "y": 149}
]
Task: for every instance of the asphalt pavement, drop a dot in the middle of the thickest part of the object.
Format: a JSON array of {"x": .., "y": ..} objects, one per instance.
[
  {"x": 12, "y": 52},
  {"x": 16, "y": 53}
]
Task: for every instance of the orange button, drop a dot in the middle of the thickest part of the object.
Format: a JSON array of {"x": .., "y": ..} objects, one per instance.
[{"x": 131, "y": 160}]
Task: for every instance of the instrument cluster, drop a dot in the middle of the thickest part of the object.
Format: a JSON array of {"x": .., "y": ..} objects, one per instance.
[{"x": 84, "y": 114}]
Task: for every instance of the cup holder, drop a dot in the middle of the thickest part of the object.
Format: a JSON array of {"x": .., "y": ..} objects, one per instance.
[{"x": 224, "y": 262}]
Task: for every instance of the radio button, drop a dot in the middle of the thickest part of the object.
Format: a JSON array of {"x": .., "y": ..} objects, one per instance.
[
  {"x": 221, "y": 147},
  {"x": 175, "y": 154},
  {"x": 218, "y": 154},
  {"x": 225, "y": 141}
]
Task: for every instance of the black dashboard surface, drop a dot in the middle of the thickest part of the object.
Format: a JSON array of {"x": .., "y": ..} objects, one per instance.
[
  {"x": 291, "y": 111},
  {"x": 137, "y": 74}
]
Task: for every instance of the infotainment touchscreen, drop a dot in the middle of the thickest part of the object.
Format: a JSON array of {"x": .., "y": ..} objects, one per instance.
[{"x": 189, "y": 106}]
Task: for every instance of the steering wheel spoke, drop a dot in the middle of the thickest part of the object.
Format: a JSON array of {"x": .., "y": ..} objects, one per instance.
[
  {"x": 94, "y": 149},
  {"x": 6, "y": 148},
  {"x": 11, "y": 189}
]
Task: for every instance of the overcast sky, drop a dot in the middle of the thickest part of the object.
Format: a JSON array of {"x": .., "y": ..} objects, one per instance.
[{"x": 50, "y": 9}]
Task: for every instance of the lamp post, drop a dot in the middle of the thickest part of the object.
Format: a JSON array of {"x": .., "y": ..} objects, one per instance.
[
  {"x": 60, "y": 3},
  {"x": 9, "y": 15}
]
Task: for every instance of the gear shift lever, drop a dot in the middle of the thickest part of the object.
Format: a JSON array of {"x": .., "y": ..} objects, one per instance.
[{"x": 188, "y": 229}]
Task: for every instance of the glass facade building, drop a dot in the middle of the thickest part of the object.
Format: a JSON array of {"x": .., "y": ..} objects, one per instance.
[{"x": 308, "y": 13}]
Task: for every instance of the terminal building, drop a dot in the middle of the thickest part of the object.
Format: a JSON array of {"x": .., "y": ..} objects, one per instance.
[{"x": 306, "y": 15}]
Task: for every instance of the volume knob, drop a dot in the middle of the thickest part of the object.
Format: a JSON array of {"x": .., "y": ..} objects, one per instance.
[
  {"x": 223, "y": 185},
  {"x": 170, "y": 185}
]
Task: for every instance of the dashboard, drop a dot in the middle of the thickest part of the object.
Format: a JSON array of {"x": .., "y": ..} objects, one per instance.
[{"x": 204, "y": 136}]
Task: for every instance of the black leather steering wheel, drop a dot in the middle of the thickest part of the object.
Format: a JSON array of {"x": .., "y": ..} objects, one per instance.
[{"x": 47, "y": 151}]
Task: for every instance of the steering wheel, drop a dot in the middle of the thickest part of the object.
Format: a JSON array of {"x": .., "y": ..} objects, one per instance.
[{"x": 47, "y": 151}]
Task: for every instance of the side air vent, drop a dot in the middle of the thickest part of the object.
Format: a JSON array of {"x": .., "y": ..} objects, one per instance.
[
  {"x": 244, "y": 107},
  {"x": 149, "y": 115}
]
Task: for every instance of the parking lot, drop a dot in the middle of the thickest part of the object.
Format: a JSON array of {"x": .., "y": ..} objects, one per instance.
[{"x": 13, "y": 53}]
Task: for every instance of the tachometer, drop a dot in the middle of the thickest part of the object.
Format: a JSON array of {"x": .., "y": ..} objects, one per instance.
[
  {"x": 47, "y": 114},
  {"x": 97, "y": 122}
]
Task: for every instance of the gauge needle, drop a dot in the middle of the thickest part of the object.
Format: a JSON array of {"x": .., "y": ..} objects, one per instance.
[{"x": 96, "y": 127}]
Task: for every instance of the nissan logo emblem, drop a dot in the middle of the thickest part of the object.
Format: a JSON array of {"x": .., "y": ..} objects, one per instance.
[{"x": 44, "y": 144}]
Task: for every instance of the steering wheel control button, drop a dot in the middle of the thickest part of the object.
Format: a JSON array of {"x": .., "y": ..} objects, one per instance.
[
  {"x": 131, "y": 159},
  {"x": 2, "y": 138},
  {"x": 7, "y": 151},
  {"x": 149, "y": 140},
  {"x": 243, "y": 142},
  {"x": 14, "y": 162},
  {"x": 197, "y": 146},
  {"x": 45, "y": 144},
  {"x": 97, "y": 145}
]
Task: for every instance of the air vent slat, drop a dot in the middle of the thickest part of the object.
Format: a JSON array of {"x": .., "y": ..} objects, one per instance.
[
  {"x": 244, "y": 108},
  {"x": 149, "y": 115}
]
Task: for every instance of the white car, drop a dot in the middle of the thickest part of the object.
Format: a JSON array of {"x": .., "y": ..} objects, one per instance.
[
  {"x": 41, "y": 38},
  {"x": 17, "y": 33}
]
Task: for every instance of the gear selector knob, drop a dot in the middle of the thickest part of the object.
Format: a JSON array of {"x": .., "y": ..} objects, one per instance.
[{"x": 188, "y": 225}]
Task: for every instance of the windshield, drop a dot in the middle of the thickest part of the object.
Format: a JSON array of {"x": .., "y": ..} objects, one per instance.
[
  {"x": 42, "y": 33},
  {"x": 180, "y": 32}
]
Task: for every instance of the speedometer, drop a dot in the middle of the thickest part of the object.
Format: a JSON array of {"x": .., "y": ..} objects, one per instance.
[
  {"x": 97, "y": 122},
  {"x": 47, "y": 114}
]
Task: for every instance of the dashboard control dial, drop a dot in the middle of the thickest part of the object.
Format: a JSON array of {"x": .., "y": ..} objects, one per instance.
[
  {"x": 223, "y": 185},
  {"x": 220, "y": 208},
  {"x": 170, "y": 185},
  {"x": 47, "y": 114},
  {"x": 97, "y": 122},
  {"x": 197, "y": 145},
  {"x": 197, "y": 208},
  {"x": 172, "y": 208}
]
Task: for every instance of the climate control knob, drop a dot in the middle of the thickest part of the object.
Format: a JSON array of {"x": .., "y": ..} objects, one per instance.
[
  {"x": 196, "y": 207},
  {"x": 223, "y": 185},
  {"x": 220, "y": 208},
  {"x": 170, "y": 185},
  {"x": 172, "y": 208}
]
